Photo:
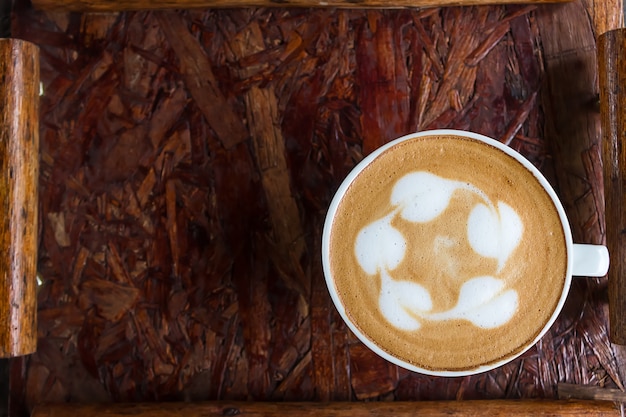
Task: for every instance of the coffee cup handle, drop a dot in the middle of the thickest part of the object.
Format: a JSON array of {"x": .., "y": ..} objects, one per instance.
[{"x": 590, "y": 260}]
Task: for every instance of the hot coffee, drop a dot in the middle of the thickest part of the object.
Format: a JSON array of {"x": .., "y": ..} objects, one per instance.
[{"x": 447, "y": 253}]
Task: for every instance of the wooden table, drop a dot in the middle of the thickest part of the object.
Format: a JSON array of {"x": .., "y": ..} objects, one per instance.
[{"x": 187, "y": 161}]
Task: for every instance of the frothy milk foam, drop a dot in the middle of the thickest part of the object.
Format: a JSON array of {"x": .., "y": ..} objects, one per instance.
[
  {"x": 493, "y": 232},
  {"x": 442, "y": 253}
]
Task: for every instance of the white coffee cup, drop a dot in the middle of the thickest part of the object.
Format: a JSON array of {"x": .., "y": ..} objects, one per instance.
[{"x": 582, "y": 259}]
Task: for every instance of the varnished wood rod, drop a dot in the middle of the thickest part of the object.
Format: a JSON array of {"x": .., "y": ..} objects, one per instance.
[
  {"x": 19, "y": 165},
  {"x": 491, "y": 408},
  {"x": 612, "y": 77},
  {"x": 123, "y": 5},
  {"x": 590, "y": 392}
]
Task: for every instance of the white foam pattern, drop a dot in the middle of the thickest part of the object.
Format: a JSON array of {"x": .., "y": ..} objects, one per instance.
[{"x": 493, "y": 231}]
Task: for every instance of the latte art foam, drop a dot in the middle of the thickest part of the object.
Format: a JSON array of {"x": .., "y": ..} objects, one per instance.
[
  {"x": 492, "y": 231},
  {"x": 447, "y": 253}
]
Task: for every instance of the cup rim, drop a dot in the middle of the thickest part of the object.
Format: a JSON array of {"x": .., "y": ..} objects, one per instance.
[{"x": 338, "y": 196}]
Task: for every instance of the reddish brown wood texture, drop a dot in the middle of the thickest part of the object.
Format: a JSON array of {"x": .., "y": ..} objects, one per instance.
[
  {"x": 584, "y": 392},
  {"x": 19, "y": 163},
  {"x": 573, "y": 130},
  {"x": 495, "y": 408},
  {"x": 612, "y": 72},
  {"x": 188, "y": 159},
  {"x": 120, "y": 5}
]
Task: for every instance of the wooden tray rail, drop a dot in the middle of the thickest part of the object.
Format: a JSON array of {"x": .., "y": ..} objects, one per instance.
[
  {"x": 121, "y": 5},
  {"x": 118, "y": 329},
  {"x": 492, "y": 408}
]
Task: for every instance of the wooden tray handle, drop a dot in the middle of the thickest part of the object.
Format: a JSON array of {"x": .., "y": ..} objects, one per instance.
[
  {"x": 121, "y": 5},
  {"x": 19, "y": 162},
  {"x": 492, "y": 408},
  {"x": 612, "y": 79}
]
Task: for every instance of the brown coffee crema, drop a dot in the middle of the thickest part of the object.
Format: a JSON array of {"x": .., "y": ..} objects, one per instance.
[{"x": 440, "y": 258}]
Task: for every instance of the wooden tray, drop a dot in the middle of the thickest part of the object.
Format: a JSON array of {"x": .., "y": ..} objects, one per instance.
[
  {"x": 187, "y": 159},
  {"x": 124, "y": 5}
]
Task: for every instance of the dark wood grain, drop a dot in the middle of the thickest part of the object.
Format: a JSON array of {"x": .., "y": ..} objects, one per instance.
[
  {"x": 572, "y": 123},
  {"x": 106, "y": 6},
  {"x": 19, "y": 164},
  {"x": 573, "y": 129},
  {"x": 182, "y": 263},
  {"x": 493, "y": 408},
  {"x": 201, "y": 81},
  {"x": 585, "y": 392},
  {"x": 612, "y": 76}
]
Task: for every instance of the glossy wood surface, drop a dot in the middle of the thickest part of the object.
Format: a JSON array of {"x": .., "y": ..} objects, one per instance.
[
  {"x": 492, "y": 408},
  {"x": 19, "y": 164},
  {"x": 108, "y": 6}
]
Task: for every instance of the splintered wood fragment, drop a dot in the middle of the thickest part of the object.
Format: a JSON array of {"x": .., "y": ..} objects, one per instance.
[
  {"x": 269, "y": 152},
  {"x": 520, "y": 118},
  {"x": 496, "y": 34},
  {"x": 200, "y": 81},
  {"x": 295, "y": 374},
  {"x": 79, "y": 265},
  {"x": 455, "y": 100},
  {"x": 166, "y": 115},
  {"x": 284, "y": 212},
  {"x": 381, "y": 66},
  {"x": 19, "y": 164},
  {"x": 517, "y": 13},
  {"x": 487, "y": 44},
  {"x": 73, "y": 182},
  {"x": 133, "y": 208},
  {"x": 429, "y": 47},
  {"x": 111, "y": 300},
  {"x": 457, "y": 75},
  {"x": 290, "y": 347},
  {"x": 371, "y": 375},
  {"x": 146, "y": 188},
  {"x": 425, "y": 86},
  {"x": 114, "y": 260},
  {"x": 147, "y": 333},
  {"x": 590, "y": 392},
  {"x": 293, "y": 47},
  {"x": 498, "y": 408},
  {"x": 172, "y": 227},
  {"x": 57, "y": 222},
  {"x": 451, "y": 118},
  {"x": 110, "y": 337},
  {"x": 95, "y": 26},
  {"x": 105, "y": 6}
]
